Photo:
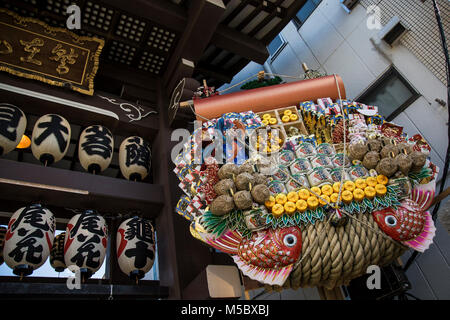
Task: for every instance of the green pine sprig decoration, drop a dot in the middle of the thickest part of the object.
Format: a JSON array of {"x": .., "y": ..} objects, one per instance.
[{"x": 263, "y": 83}]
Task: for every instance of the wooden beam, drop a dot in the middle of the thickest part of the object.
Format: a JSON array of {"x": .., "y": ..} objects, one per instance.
[
  {"x": 162, "y": 12},
  {"x": 184, "y": 69},
  {"x": 129, "y": 75},
  {"x": 135, "y": 93},
  {"x": 273, "y": 9},
  {"x": 42, "y": 288},
  {"x": 241, "y": 6},
  {"x": 26, "y": 182},
  {"x": 203, "y": 18},
  {"x": 167, "y": 248},
  {"x": 212, "y": 56},
  {"x": 221, "y": 75},
  {"x": 258, "y": 9},
  {"x": 240, "y": 44},
  {"x": 214, "y": 72},
  {"x": 174, "y": 17},
  {"x": 260, "y": 5},
  {"x": 38, "y": 98}
]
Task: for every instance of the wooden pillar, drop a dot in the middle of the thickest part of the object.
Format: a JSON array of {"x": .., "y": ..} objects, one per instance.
[
  {"x": 203, "y": 18},
  {"x": 116, "y": 276},
  {"x": 167, "y": 251}
]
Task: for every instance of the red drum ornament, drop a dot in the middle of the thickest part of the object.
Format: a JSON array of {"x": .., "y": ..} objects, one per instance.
[
  {"x": 135, "y": 158},
  {"x": 85, "y": 243},
  {"x": 50, "y": 139},
  {"x": 95, "y": 149},
  {"x": 29, "y": 239},
  {"x": 135, "y": 247},
  {"x": 12, "y": 127}
]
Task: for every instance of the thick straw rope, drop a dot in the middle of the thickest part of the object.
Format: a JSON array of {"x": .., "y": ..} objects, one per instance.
[{"x": 340, "y": 255}]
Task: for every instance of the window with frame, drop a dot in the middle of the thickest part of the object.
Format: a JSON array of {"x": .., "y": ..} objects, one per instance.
[
  {"x": 274, "y": 47},
  {"x": 391, "y": 93},
  {"x": 304, "y": 13}
]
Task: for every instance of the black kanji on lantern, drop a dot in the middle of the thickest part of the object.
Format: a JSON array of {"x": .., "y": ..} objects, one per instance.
[
  {"x": 26, "y": 247},
  {"x": 98, "y": 141},
  {"x": 33, "y": 216},
  {"x": 9, "y": 120},
  {"x": 140, "y": 229},
  {"x": 86, "y": 252},
  {"x": 138, "y": 153},
  {"x": 141, "y": 253},
  {"x": 88, "y": 221},
  {"x": 54, "y": 127}
]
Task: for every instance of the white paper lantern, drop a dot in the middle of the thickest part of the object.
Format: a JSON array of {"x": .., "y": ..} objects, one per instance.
[
  {"x": 51, "y": 138},
  {"x": 29, "y": 239},
  {"x": 57, "y": 253},
  {"x": 95, "y": 149},
  {"x": 135, "y": 247},
  {"x": 85, "y": 243},
  {"x": 12, "y": 127},
  {"x": 135, "y": 158}
]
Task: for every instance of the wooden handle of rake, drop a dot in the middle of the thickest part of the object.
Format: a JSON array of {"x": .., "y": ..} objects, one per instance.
[{"x": 441, "y": 196}]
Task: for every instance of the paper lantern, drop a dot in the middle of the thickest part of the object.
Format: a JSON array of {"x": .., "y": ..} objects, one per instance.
[
  {"x": 135, "y": 247},
  {"x": 85, "y": 243},
  {"x": 2, "y": 242},
  {"x": 50, "y": 138},
  {"x": 135, "y": 158},
  {"x": 29, "y": 239},
  {"x": 57, "y": 253},
  {"x": 95, "y": 148},
  {"x": 12, "y": 127}
]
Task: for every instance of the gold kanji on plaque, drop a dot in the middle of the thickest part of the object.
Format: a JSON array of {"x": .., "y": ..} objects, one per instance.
[
  {"x": 63, "y": 58},
  {"x": 8, "y": 47},
  {"x": 31, "y": 47}
]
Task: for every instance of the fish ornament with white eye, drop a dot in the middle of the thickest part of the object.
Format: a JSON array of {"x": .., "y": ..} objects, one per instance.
[
  {"x": 268, "y": 256},
  {"x": 410, "y": 223}
]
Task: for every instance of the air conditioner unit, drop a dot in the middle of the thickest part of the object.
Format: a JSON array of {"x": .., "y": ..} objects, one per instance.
[
  {"x": 348, "y": 5},
  {"x": 392, "y": 31}
]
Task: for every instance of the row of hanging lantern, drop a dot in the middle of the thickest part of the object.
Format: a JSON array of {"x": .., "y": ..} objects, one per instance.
[
  {"x": 29, "y": 240},
  {"x": 51, "y": 138}
]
